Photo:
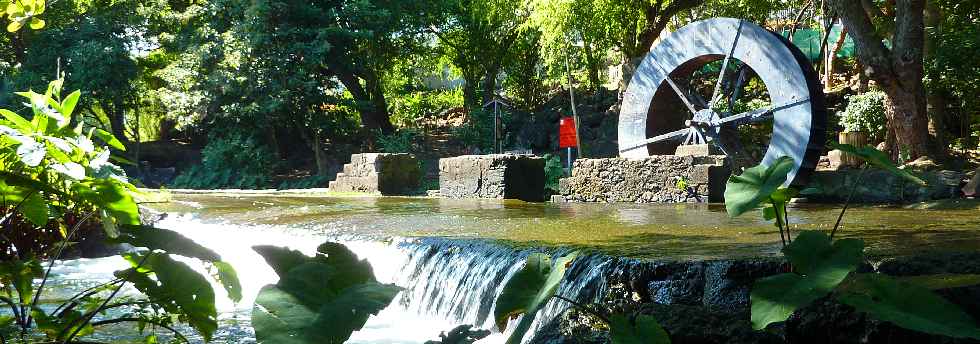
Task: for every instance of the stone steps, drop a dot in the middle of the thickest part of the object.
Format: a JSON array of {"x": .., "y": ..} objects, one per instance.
[{"x": 387, "y": 174}]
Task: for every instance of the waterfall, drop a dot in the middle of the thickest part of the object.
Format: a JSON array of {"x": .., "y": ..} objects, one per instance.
[{"x": 447, "y": 281}]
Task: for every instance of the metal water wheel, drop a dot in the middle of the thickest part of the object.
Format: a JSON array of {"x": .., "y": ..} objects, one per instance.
[{"x": 660, "y": 111}]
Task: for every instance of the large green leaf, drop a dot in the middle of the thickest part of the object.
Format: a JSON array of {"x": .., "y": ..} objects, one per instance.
[
  {"x": 228, "y": 277},
  {"x": 878, "y": 159},
  {"x": 109, "y": 139},
  {"x": 820, "y": 267},
  {"x": 942, "y": 281},
  {"x": 908, "y": 305},
  {"x": 110, "y": 196},
  {"x": 174, "y": 243},
  {"x": 23, "y": 125},
  {"x": 21, "y": 274},
  {"x": 321, "y": 299},
  {"x": 775, "y": 298},
  {"x": 281, "y": 259},
  {"x": 814, "y": 256},
  {"x": 645, "y": 330},
  {"x": 754, "y": 186},
  {"x": 31, "y": 203},
  {"x": 528, "y": 290},
  {"x": 63, "y": 325},
  {"x": 176, "y": 287}
]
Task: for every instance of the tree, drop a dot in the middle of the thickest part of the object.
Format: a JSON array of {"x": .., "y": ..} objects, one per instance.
[
  {"x": 897, "y": 69},
  {"x": 477, "y": 35},
  {"x": 571, "y": 28},
  {"x": 634, "y": 25}
]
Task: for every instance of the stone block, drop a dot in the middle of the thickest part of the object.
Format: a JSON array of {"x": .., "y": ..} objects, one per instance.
[
  {"x": 880, "y": 186},
  {"x": 500, "y": 176},
  {"x": 706, "y": 149},
  {"x": 383, "y": 173},
  {"x": 972, "y": 188},
  {"x": 655, "y": 179}
]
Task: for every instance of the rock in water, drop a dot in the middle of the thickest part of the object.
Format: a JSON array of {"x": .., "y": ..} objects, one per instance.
[{"x": 972, "y": 189}]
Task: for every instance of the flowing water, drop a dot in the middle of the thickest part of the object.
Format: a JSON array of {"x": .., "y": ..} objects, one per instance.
[{"x": 452, "y": 256}]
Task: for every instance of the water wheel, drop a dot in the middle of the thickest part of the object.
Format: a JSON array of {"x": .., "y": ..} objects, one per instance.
[{"x": 670, "y": 102}]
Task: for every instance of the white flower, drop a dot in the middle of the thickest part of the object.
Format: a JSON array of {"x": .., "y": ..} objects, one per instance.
[{"x": 84, "y": 143}]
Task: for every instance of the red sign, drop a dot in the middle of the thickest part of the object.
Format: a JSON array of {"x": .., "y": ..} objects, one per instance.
[{"x": 566, "y": 133}]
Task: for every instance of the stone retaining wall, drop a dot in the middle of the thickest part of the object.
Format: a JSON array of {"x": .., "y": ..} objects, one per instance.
[
  {"x": 500, "y": 176},
  {"x": 649, "y": 180},
  {"x": 879, "y": 186},
  {"x": 709, "y": 302},
  {"x": 384, "y": 173}
]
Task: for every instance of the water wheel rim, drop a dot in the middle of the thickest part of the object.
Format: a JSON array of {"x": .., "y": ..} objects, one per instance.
[{"x": 799, "y": 125}]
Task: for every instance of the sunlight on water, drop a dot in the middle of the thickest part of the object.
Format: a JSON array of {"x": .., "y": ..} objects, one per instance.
[{"x": 452, "y": 256}]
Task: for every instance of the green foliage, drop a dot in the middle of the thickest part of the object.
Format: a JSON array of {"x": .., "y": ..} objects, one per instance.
[
  {"x": 401, "y": 141},
  {"x": 819, "y": 267},
  {"x": 865, "y": 113},
  {"x": 478, "y": 131},
  {"x": 321, "y": 299},
  {"x": 55, "y": 175},
  {"x": 878, "y": 159},
  {"x": 175, "y": 287},
  {"x": 412, "y": 109},
  {"x": 553, "y": 172},
  {"x": 235, "y": 162},
  {"x": 823, "y": 267},
  {"x": 643, "y": 329},
  {"x": 21, "y": 13},
  {"x": 755, "y": 186},
  {"x": 528, "y": 290},
  {"x": 908, "y": 305}
]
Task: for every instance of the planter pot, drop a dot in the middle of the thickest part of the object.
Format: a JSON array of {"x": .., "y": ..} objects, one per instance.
[{"x": 857, "y": 139}]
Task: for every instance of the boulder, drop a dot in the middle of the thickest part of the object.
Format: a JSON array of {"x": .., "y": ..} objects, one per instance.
[{"x": 972, "y": 188}]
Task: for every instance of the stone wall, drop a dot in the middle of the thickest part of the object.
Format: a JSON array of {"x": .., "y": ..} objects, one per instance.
[
  {"x": 384, "y": 173},
  {"x": 653, "y": 179},
  {"x": 500, "y": 176},
  {"x": 709, "y": 302},
  {"x": 879, "y": 186}
]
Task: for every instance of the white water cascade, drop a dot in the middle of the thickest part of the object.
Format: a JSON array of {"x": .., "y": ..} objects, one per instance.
[{"x": 447, "y": 282}]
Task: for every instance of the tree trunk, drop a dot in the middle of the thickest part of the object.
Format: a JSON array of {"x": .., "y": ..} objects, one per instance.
[
  {"x": 370, "y": 102},
  {"x": 935, "y": 98},
  {"x": 471, "y": 80},
  {"x": 117, "y": 120},
  {"x": 490, "y": 84},
  {"x": 831, "y": 56},
  {"x": 898, "y": 71},
  {"x": 593, "y": 65},
  {"x": 905, "y": 112},
  {"x": 627, "y": 69}
]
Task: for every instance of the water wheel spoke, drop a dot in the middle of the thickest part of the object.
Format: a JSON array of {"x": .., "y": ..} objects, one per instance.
[
  {"x": 680, "y": 93},
  {"x": 659, "y": 138},
  {"x": 724, "y": 67},
  {"x": 758, "y": 115}
]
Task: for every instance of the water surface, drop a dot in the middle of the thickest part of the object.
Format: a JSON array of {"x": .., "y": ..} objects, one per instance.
[{"x": 659, "y": 231}]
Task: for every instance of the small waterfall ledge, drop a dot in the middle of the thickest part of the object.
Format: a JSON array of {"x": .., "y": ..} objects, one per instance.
[{"x": 454, "y": 281}]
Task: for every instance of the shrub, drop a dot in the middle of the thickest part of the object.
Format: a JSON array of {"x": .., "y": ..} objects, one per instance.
[
  {"x": 401, "y": 141},
  {"x": 234, "y": 161},
  {"x": 866, "y": 113},
  {"x": 408, "y": 110},
  {"x": 553, "y": 171}
]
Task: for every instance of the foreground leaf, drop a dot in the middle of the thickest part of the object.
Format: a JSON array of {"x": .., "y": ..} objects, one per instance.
[
  {"x": 176, "y": 287},
  {"x": 878, "y": 159},
  {"x": 775, "y": 298},
  {"x": 528, "y": 290},
  {"x": 820, "y": 267},
  {"x": 754, "y": 186},
  {"x": 908, "y": 305},
  {"x": 321, "y": 299},
  {"x": 645, "y": 330}
]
